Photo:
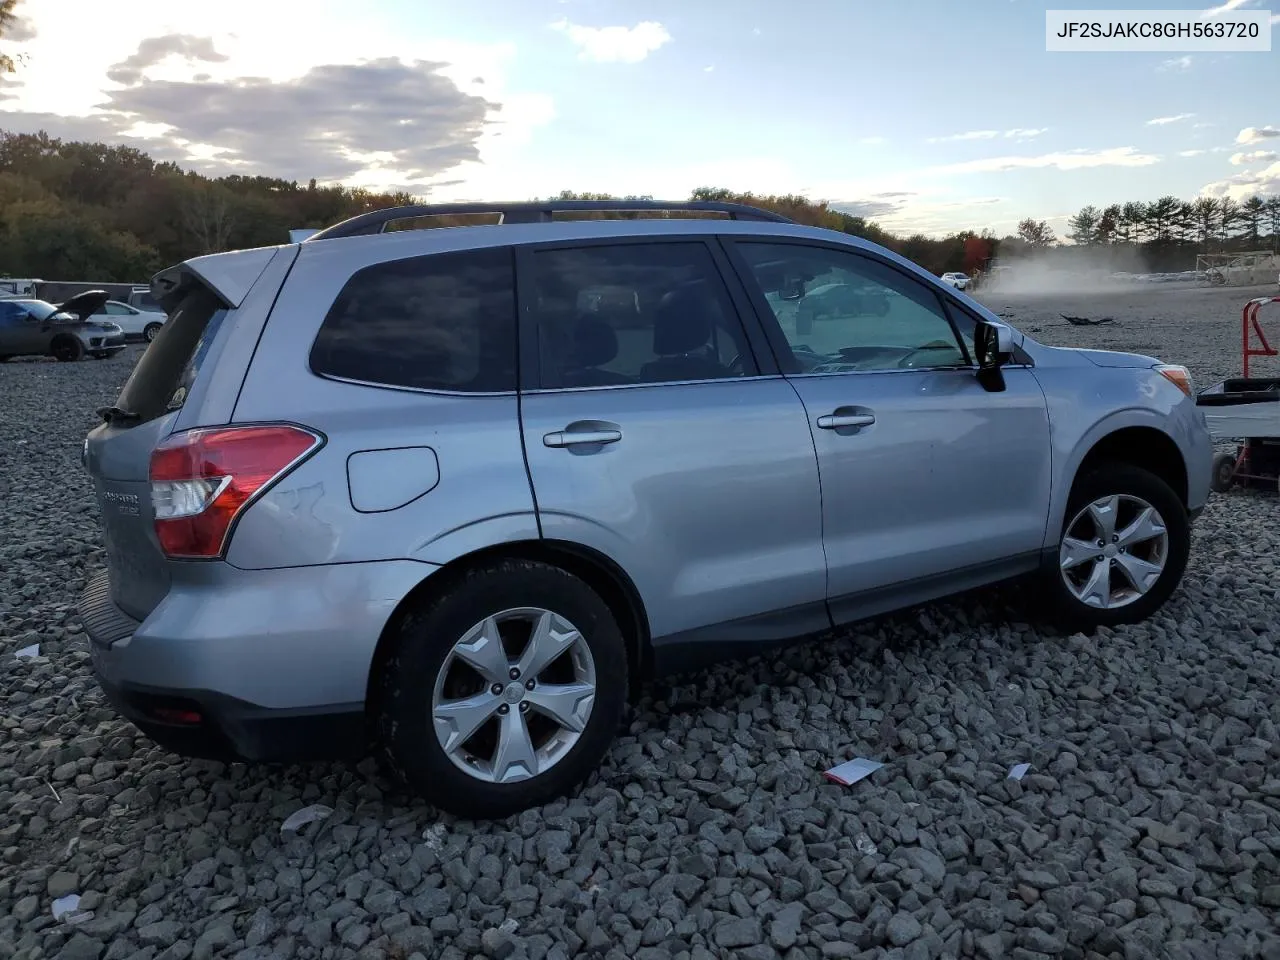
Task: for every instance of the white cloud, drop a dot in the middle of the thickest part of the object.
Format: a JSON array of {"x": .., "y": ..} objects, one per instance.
[
  {"x": 1191, "y": 153},
  {"x": 968, "y": 135},
  {"x": 1246, "y": 184},
  {"x": 1017, "y": 133},
  {"x": 615, "y": 44},
  {"x": 1176, "y": 118},
  {"x": 1064, "y": 160},
  {"x": 873, "y": 141},
  {"x": 1257, "y": 134},
  {"x": 195, "y": 67},
  {"x": 1177, "y": 63},
  {"x": 1257, "y": 156}
]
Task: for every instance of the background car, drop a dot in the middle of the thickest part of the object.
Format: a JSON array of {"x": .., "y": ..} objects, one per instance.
[
  {"x": 66, "y": 331},
  {"x": 137, "y": 324},
  {"x": 956, "y": 279}
]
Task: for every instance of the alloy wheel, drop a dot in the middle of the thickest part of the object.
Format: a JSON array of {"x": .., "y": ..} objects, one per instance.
[
  {"x": 1114, "y": 551},
  {"x": 514, "y": 695}
]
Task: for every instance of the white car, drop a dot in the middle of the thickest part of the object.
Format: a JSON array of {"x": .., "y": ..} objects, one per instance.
[
  {"x": 136, "y": 324},
  {"x": 957, "y": 280}
]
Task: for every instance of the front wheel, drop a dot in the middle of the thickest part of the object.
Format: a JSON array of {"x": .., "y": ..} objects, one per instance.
[
  {"x": 1122, "y": 551},
  {"x": 67, "y": 349},
  {"x": 505, "y": 692},
  {"x": 149, "y": 331}
]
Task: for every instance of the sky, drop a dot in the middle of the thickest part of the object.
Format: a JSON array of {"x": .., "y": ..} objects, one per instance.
[{"x": 924, "y": 115}]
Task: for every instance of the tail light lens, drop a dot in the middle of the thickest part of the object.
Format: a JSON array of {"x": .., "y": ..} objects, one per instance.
[{"x": 202, "y": 480}]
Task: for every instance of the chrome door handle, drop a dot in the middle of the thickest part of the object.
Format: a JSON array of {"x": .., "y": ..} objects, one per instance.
[
  {"x": 572, "y": 438},
  {"x": 834, "y": 421}
]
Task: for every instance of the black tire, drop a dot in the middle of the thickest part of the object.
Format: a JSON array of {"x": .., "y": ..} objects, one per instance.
[
  {"x": 66, "y": 349},
  {"x": 149, "y": 331},
  {"x": 405, "y": 729},
  {"x": 1112, "y": 479},
  {"x": 1224, "y": 472}
]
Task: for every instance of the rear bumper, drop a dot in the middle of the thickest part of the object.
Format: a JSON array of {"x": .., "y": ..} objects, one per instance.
[
  {"x": 263, "y": 665},
  {"x": 202, "y": 723}
]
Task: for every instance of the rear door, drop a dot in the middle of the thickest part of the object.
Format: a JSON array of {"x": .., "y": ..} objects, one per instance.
[
  {"x": 654, "y": 434},
  {"x": 118, "y": 451},
  {"x": 927, "y": 477}
]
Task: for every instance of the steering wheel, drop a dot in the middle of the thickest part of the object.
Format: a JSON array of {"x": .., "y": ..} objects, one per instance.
[
  {"x": 736, "y": 366},
  {"x": 903, "y": 362}
]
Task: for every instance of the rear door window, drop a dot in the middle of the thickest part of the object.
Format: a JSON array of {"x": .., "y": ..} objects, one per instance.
[
  {"x": 446, "y": 322},
  {"x": 635, "y": 313}
]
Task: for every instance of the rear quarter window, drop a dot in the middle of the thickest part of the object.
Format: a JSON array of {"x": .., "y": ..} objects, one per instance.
[{"x": 439, "y": 322}]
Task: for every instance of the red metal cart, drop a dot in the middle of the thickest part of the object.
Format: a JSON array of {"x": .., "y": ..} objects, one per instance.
[{"x": 1247, "y": 409}]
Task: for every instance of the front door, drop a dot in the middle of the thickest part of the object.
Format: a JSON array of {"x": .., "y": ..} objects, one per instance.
[
  {"x": 929, "y": 481},
  {"x": 653, "y": 438}
]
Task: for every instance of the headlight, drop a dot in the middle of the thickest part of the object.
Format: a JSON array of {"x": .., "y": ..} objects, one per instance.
[{"x": 1178, "y": 375}]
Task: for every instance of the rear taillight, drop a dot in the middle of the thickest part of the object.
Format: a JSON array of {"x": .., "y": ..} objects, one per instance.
[{"x": 202, "y": 480}]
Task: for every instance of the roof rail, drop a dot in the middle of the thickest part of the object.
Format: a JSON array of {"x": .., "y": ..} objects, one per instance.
[{"x": 375, "y": 221}]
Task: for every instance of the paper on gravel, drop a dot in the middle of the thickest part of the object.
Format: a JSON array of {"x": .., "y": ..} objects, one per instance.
[
  {"x": 851, "y": 771},
  {"x": 300, "y": 818},
  {"x": 1018, "y": 771},
  {"x": 68, "y": 909},
  {"x": 31, "y": 651}
]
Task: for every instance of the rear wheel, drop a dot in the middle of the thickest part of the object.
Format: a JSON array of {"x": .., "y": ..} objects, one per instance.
[
  {"x": 505, "y": 692},
  {"x": 66, "y": 349},
  {"x": 1122, "y": 550},
  {"x": 149, "y": 331},
  {"x": 1224, "y": 472}
]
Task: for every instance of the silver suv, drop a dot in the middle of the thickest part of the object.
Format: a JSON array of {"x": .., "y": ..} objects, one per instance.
[{"x": 452, "y": 493}]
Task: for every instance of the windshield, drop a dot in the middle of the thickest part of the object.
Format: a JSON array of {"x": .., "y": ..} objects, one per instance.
[{"x": 42, "y": 311}]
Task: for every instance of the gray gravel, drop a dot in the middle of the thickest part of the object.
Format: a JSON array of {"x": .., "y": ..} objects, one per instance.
[{"x": 1148, "y": 825}]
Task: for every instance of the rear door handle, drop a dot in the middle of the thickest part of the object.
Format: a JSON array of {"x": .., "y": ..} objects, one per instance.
[
  {"x": 834, "y": 421},
  {"x": 583, "y": 434}
]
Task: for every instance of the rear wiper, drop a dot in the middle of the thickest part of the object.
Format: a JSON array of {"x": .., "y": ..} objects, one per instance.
[{"x": 117, "y": 415}]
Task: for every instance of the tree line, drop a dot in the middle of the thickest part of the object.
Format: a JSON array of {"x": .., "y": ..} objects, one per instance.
[
  {"x": 75, "y": 210},
  {"x": 1164, "y": 234}
]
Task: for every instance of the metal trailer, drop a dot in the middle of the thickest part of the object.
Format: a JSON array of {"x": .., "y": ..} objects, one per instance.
[{"x": 1246, "y": 409}]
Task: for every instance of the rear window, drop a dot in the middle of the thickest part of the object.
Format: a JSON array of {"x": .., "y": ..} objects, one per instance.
[
  {"x": 440, "y": 322},
  {"x": 169, "y": 367}
]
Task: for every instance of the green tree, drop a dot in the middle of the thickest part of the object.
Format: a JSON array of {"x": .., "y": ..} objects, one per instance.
[
  {"x": 1251, "y": 214},
  {"x": 1109, "y": 224},
  {"x": 1160, "y": 217},
  {"x": 1228, "y": 217},
  {"x": 1036, "y": 233},
  {"x": 46, "y": 238},
  {"x": 1273, "y": 216},
  {"x": 1205, "y": 211},
  {"x": 1084, "y": 226},
  {"x": 1133, "y": 220},
  {"x": 8, "y": 18}
]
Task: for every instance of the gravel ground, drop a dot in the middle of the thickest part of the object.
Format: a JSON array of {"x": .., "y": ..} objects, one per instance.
[{"x": 1147, "y": 826}]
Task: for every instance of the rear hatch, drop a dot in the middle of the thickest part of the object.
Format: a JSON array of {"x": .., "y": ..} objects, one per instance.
[{"x": 118, "y": 451}]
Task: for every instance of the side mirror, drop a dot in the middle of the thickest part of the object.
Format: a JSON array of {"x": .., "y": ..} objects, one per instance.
[{"x": 992, "y": 346}]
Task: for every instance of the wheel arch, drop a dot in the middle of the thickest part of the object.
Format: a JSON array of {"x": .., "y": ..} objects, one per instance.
[
  {"x": 1142, "y": 445},
  {"x": 597, "y": 570}
]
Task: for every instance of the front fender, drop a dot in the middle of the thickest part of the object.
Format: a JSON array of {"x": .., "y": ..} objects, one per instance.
[{"x": 1084, "y": 411}]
